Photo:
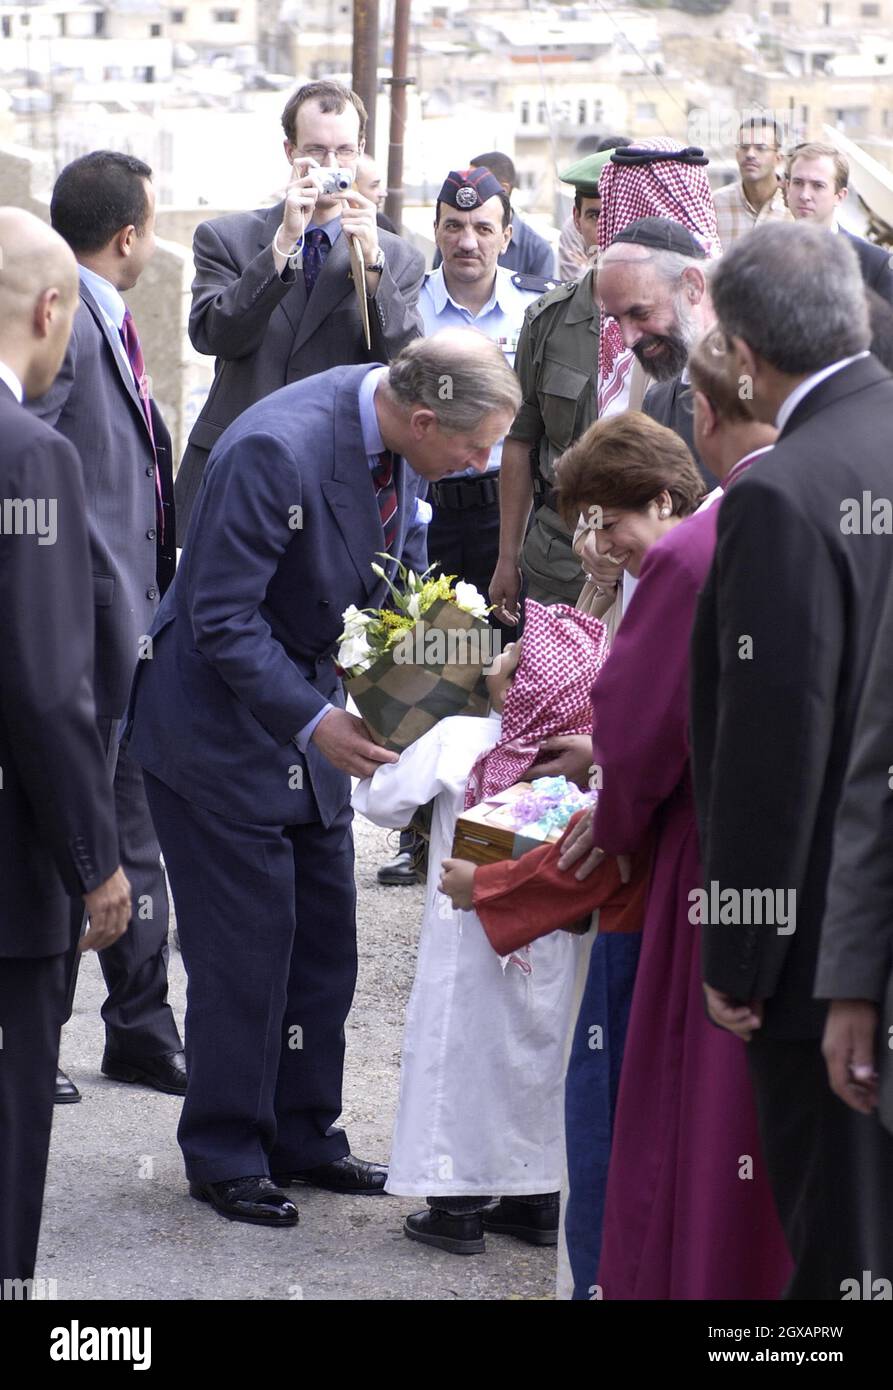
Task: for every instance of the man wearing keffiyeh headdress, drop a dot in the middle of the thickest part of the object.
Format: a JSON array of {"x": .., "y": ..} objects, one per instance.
[{"x": 672, "y": 185}]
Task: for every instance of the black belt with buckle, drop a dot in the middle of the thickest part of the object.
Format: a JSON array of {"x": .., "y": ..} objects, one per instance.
[{"x": 463, "y": 494}]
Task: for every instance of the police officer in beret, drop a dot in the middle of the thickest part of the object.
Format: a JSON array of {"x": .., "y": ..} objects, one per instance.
[{"x": 472, "y": 226}]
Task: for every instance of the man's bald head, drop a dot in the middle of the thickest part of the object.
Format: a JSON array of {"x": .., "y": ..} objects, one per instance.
[
  {"x": 369, "y": 180},
  {"x": 38, "y": 297},
  {"x": 33, "y": 258}
]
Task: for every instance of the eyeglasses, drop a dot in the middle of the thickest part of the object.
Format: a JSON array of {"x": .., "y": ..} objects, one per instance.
[{"x": 344, "y": 154}]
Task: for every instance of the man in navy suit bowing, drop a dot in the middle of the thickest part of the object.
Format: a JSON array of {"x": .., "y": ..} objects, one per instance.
[{"x": 238, "y": 721}]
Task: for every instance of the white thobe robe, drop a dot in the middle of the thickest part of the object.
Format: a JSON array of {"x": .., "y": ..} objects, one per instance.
[{"x": 481, "y": 1107}]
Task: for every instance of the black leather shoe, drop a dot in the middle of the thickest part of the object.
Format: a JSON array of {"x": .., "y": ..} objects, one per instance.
[
  {"x": 345, "y": 1175},
  {"x": 66, "y": 1091},
  {"x": 460, "y": 1235},
  {"x": 534, "y": 1223},
  {"x": 254, "y": 1200},
  {"x": 407, "y": 866},
  {"x": 166, "y": 1073}
]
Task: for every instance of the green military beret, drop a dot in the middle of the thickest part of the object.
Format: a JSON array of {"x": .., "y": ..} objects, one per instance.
[{"x": 585, "y": 174}]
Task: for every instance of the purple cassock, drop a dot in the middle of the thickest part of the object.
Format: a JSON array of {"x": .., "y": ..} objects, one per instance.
[{"x": 689, "y": 1213}]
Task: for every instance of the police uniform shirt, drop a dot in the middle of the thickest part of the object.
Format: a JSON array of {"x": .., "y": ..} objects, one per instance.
[{"x": 500, "y": 319}]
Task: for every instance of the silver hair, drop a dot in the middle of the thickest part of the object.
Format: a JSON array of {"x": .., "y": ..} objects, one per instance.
[
  {"x": 670, "y": 265},
  {"x": 460, "y": 386},
  {"x": 795, "y": 295}
]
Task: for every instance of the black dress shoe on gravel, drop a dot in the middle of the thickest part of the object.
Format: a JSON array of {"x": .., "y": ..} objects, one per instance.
[
  {"x": 460, "y": 1235},
  {"x": 534, "y": 1223},
  {"x": 255, "y": 1200},
  {"x": 347, "y": 1175},
  {"x": 408, "y": 865},
  {"x": 66, "y": 1091},
  {"x": 166, "y": 1073}
]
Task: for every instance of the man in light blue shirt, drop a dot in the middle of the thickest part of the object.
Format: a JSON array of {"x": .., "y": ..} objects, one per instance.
[{"x": 470, "y": 290}]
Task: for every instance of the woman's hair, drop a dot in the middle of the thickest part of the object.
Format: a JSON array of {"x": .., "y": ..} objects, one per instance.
[{"x": 625, "y": 461}]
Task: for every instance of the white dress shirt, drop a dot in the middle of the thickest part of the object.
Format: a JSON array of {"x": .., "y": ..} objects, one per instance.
[
  {"x": 9, "y": 378},
  {"x": 790, "y": 403}
]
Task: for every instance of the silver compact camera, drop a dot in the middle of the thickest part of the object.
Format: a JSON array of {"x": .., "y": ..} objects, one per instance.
[{"x": 336, "y": 181}]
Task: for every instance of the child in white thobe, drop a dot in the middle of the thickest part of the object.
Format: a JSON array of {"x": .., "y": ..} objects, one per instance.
[{"x": 480, "y": 1112}]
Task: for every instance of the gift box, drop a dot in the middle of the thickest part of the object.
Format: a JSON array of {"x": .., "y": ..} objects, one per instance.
[
  {"x": 435, "y": 670},
  {"x": 519, "y": 819}
]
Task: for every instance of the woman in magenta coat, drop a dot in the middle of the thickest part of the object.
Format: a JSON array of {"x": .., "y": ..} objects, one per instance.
[{"x": 688, "y": 1210}]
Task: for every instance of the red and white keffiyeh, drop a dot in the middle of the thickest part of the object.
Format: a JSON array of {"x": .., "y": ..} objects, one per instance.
[
  {"x": 562, "y": 652},
  {"x": 679, "y": 191}
]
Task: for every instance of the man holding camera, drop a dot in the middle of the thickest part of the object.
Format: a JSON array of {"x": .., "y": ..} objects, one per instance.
[{"x": 273, "y": 299}]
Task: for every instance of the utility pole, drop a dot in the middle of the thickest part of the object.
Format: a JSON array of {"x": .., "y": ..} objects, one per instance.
[
  {"x": 365, "y": 61},
  {"x": 398, "y": 82}
]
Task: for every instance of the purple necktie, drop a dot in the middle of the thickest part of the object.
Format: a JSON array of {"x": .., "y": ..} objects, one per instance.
[
  {"x": 386, "y": 496},
  {"x": 131, "y": 341},
  {"x": 316, "y": 248}
]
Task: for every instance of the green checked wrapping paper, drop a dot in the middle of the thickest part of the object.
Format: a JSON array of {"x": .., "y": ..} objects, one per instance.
[{"x": 434, "y": 671}]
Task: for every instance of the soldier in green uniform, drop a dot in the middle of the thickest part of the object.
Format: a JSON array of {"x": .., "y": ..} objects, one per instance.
[{"x": 557, "y": 364}]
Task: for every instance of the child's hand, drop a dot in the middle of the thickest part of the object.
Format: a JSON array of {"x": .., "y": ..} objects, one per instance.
[{"x": 457, "y": 882}]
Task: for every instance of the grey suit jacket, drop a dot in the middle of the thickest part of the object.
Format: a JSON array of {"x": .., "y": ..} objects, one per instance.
[
  {"x": 94, "y": 403},
  {"x": 265, "y": 333},
  {"x": 856, "y": 952}
]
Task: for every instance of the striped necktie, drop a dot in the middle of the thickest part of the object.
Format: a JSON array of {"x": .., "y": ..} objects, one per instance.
[
  {"x": 386, "y": 496},
  {"x": 131, "y": 341}
]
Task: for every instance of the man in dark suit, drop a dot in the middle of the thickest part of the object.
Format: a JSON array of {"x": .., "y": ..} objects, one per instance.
[
  {"x": 239, "y": 724},
  {"x": 273, "y": 299},
  {"x": 103, "y": 205},
  {"x": 783, "y": 638},
  {"x": 817, "y": 183},
  {"x": 57, "y": 817},
  {"x": 856, "y": 957}
]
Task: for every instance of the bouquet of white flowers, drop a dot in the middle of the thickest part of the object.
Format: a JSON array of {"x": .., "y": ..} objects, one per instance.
[{"x": 411, "y": 665}]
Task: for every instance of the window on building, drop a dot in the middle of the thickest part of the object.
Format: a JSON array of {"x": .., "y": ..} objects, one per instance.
[
  {"x": 112, "y": 74},
  {"x": 870, "y": 11},
  {"x": 225, "y": 16},
  {"x": 524, "y": 113},
  {"x": 826, "y": 14},
  {"x": 780, "y": 7},
  {"x": 6, "y": 26},
  {"x": 887, "y": 119},
  {"x": 178, "y": 16},
  {"x": 99, "y": 24},
  {"x": 541, "y": 113},
  {"x": 598, "y": 111},
  {"x": 581, "y": 111},
  {"x": 24, "y": 21},
  {"x": 646, "y": 111},
  {"x": 154, "y": 31}
]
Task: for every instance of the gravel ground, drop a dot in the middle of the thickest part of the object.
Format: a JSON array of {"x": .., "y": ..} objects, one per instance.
[{"x": 118, "y": 1221}]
